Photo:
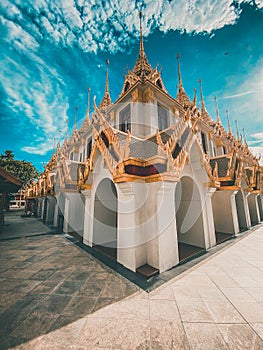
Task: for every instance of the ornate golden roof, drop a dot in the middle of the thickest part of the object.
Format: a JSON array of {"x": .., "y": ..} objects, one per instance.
[
  {"x": 142, "y": 70},
  {"x": 106, "y": 101}
]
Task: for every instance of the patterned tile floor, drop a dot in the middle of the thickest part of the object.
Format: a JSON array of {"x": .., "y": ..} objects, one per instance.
[
  {"x": 54, "y": 296},
  {"x": 47, "y": 282}
]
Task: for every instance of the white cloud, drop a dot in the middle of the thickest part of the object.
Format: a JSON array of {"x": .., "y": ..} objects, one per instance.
[
  {"x": 112, "y": 25},
  {"x": 239, "y": 95}
]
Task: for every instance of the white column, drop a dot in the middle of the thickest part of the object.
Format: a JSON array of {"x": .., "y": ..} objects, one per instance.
[
  {"x": 225, "y": 212},
  {"x": 208, "y": 219},
  {"x": 129, "y": 234},
  {"x": 66, "y": 227},
  {"x": 166, "y": 232},
  {"x": 55, "y": 219},
  {"x": 248, "y": 220},
  {"x": 88, "y": 218},
  {"x": 253, "y": 208},
  {"x": 234, "y": 212}
]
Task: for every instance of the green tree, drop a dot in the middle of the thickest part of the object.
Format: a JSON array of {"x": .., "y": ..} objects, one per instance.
[{"x": 25, "y": 171}]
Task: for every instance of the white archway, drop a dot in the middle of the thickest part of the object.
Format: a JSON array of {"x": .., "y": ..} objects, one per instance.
[
  {"x": 241, "y": 214},
  {"x": 189, "y": 218},
  {"x": 105, "y": 219}
]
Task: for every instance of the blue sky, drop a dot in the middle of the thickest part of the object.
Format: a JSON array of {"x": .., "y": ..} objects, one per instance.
[{"x": 51, "y": 51}]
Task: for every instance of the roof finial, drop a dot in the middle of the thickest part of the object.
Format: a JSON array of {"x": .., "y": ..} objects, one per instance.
[
  {"x": 141, "y": 37},
  {"x": 201, "y": 95},
  {"x": 75, "y": 117},
  {"x": 107, "y": 75},
  {"x": 228, "y": 122},
  {"x": 54, "y": 146},
  {"x": 88, "y": 106},
  {"x": 238, "y": 135},
  {"x": 66, "y": 137},
  {"x": 217, "y": 114},
  {"x": 179, "y": 71},
  {"x": 244, "y": 135},
  {"x": 194, "y": 99},
  {"x": 106, "y": 101}
]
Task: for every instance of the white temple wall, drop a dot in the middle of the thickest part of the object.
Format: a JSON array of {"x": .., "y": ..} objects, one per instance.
[
  {"x": 74, "y": 213},
  {"x": 50, "y": 210},
  {"x": 197, "y": 205},
  {"x": 260, "y": 207},
  {"x": 224, "y": 210},
  {"x": 253, "y": 208},
  {"x": 242, "y": 211}
]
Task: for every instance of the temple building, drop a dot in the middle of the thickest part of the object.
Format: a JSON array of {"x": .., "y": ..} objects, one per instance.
[{"x": 150, "y": 179}]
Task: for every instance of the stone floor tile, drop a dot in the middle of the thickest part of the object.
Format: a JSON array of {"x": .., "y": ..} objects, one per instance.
[
  {"x": 240, "y": 337},
  {"x": 224, "y": 312},
  {"x": 135, "y": 307},
  {"x": 69, "y": 287},
  {"x": 255, "y": 292},
  {"x": 81, "y": 306},
  {"x": 117, "y": 333},
  {"x": 237, "y": 294},
  {"x": 194, "y": 312},
  {"x": 258, "y": 328},
  {"x": 185, "y": 293},
  {"x": 165, "y": 310},
  {"x": 168, "y": 335},
  {"x": 251, "y": 311},
  {"x": 204, "y": 336},
  {"x": 211, "y": 293},
  {"x": 162, "y": 293}
]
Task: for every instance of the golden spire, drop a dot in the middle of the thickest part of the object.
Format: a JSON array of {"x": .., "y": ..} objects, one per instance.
[
  {"x": 238, "y": 135},
  {"x": 201, "y": 95},
  {"x": 181, "y": 97},
  {"x": 75, "y": 117},
  {"x": 54, "y": 146},
  {"x": 106, "y": 101},
  {"x": 194, "y": 99},
  {"x": 244, "y": 135},
  {"x": 179, "y": 71},
  {"x": 228, "y": 122},
  {"x": 66, "y": 138},
  {"x": 142, "y": 67},
  {"x": 217, "y": 114},
  {"x": 141, "y": 37},
  {"x": 88, "y": 105}
]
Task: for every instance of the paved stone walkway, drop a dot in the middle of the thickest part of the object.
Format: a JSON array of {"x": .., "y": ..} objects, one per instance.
[
  {"x": 46, "y": 282},
  {"x": 217, "y": 304}
]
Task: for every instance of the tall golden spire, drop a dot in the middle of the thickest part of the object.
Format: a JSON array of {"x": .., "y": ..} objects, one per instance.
[
  {"x": 142, "y": 67},
  {"x": 217, "y": 114},
  {"x": 181, "y": 97},
  {"x": 244, "y": 135},
  {"x": 179, "y": 71},
  {"x": 201, "y": 95},
  {"x": 141, "y": 37},
  {"x": 66, "y": 138},
  {"x": 195, "y": 97},
  {"x": 228, "y": 122},
  {"x": 88, "y": 105},
  {"x": 238, "y": 135},
  {"x": 75, "y": 117},
  {"x": 106, "y": 101}
]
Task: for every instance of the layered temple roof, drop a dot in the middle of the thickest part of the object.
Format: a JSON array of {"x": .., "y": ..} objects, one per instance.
[{"x": 163, "y": 154}]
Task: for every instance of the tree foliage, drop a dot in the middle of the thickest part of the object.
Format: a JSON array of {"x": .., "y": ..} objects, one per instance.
[{"x": 22, "y": 169}]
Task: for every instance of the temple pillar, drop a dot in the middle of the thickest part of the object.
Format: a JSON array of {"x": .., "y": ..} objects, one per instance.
[
  {"x": 225, "y": 213},
  {"x": 253, "y": 208},
  {"x": 208, "y": 220},
  {"x": 88, "y": 218}
]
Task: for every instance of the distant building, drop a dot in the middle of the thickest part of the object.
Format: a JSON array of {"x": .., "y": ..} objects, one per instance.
[
  {"x": 8, "y": 183},
  {"x": 17, "y": 200},
  {"x": 150, "y": 179}
]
